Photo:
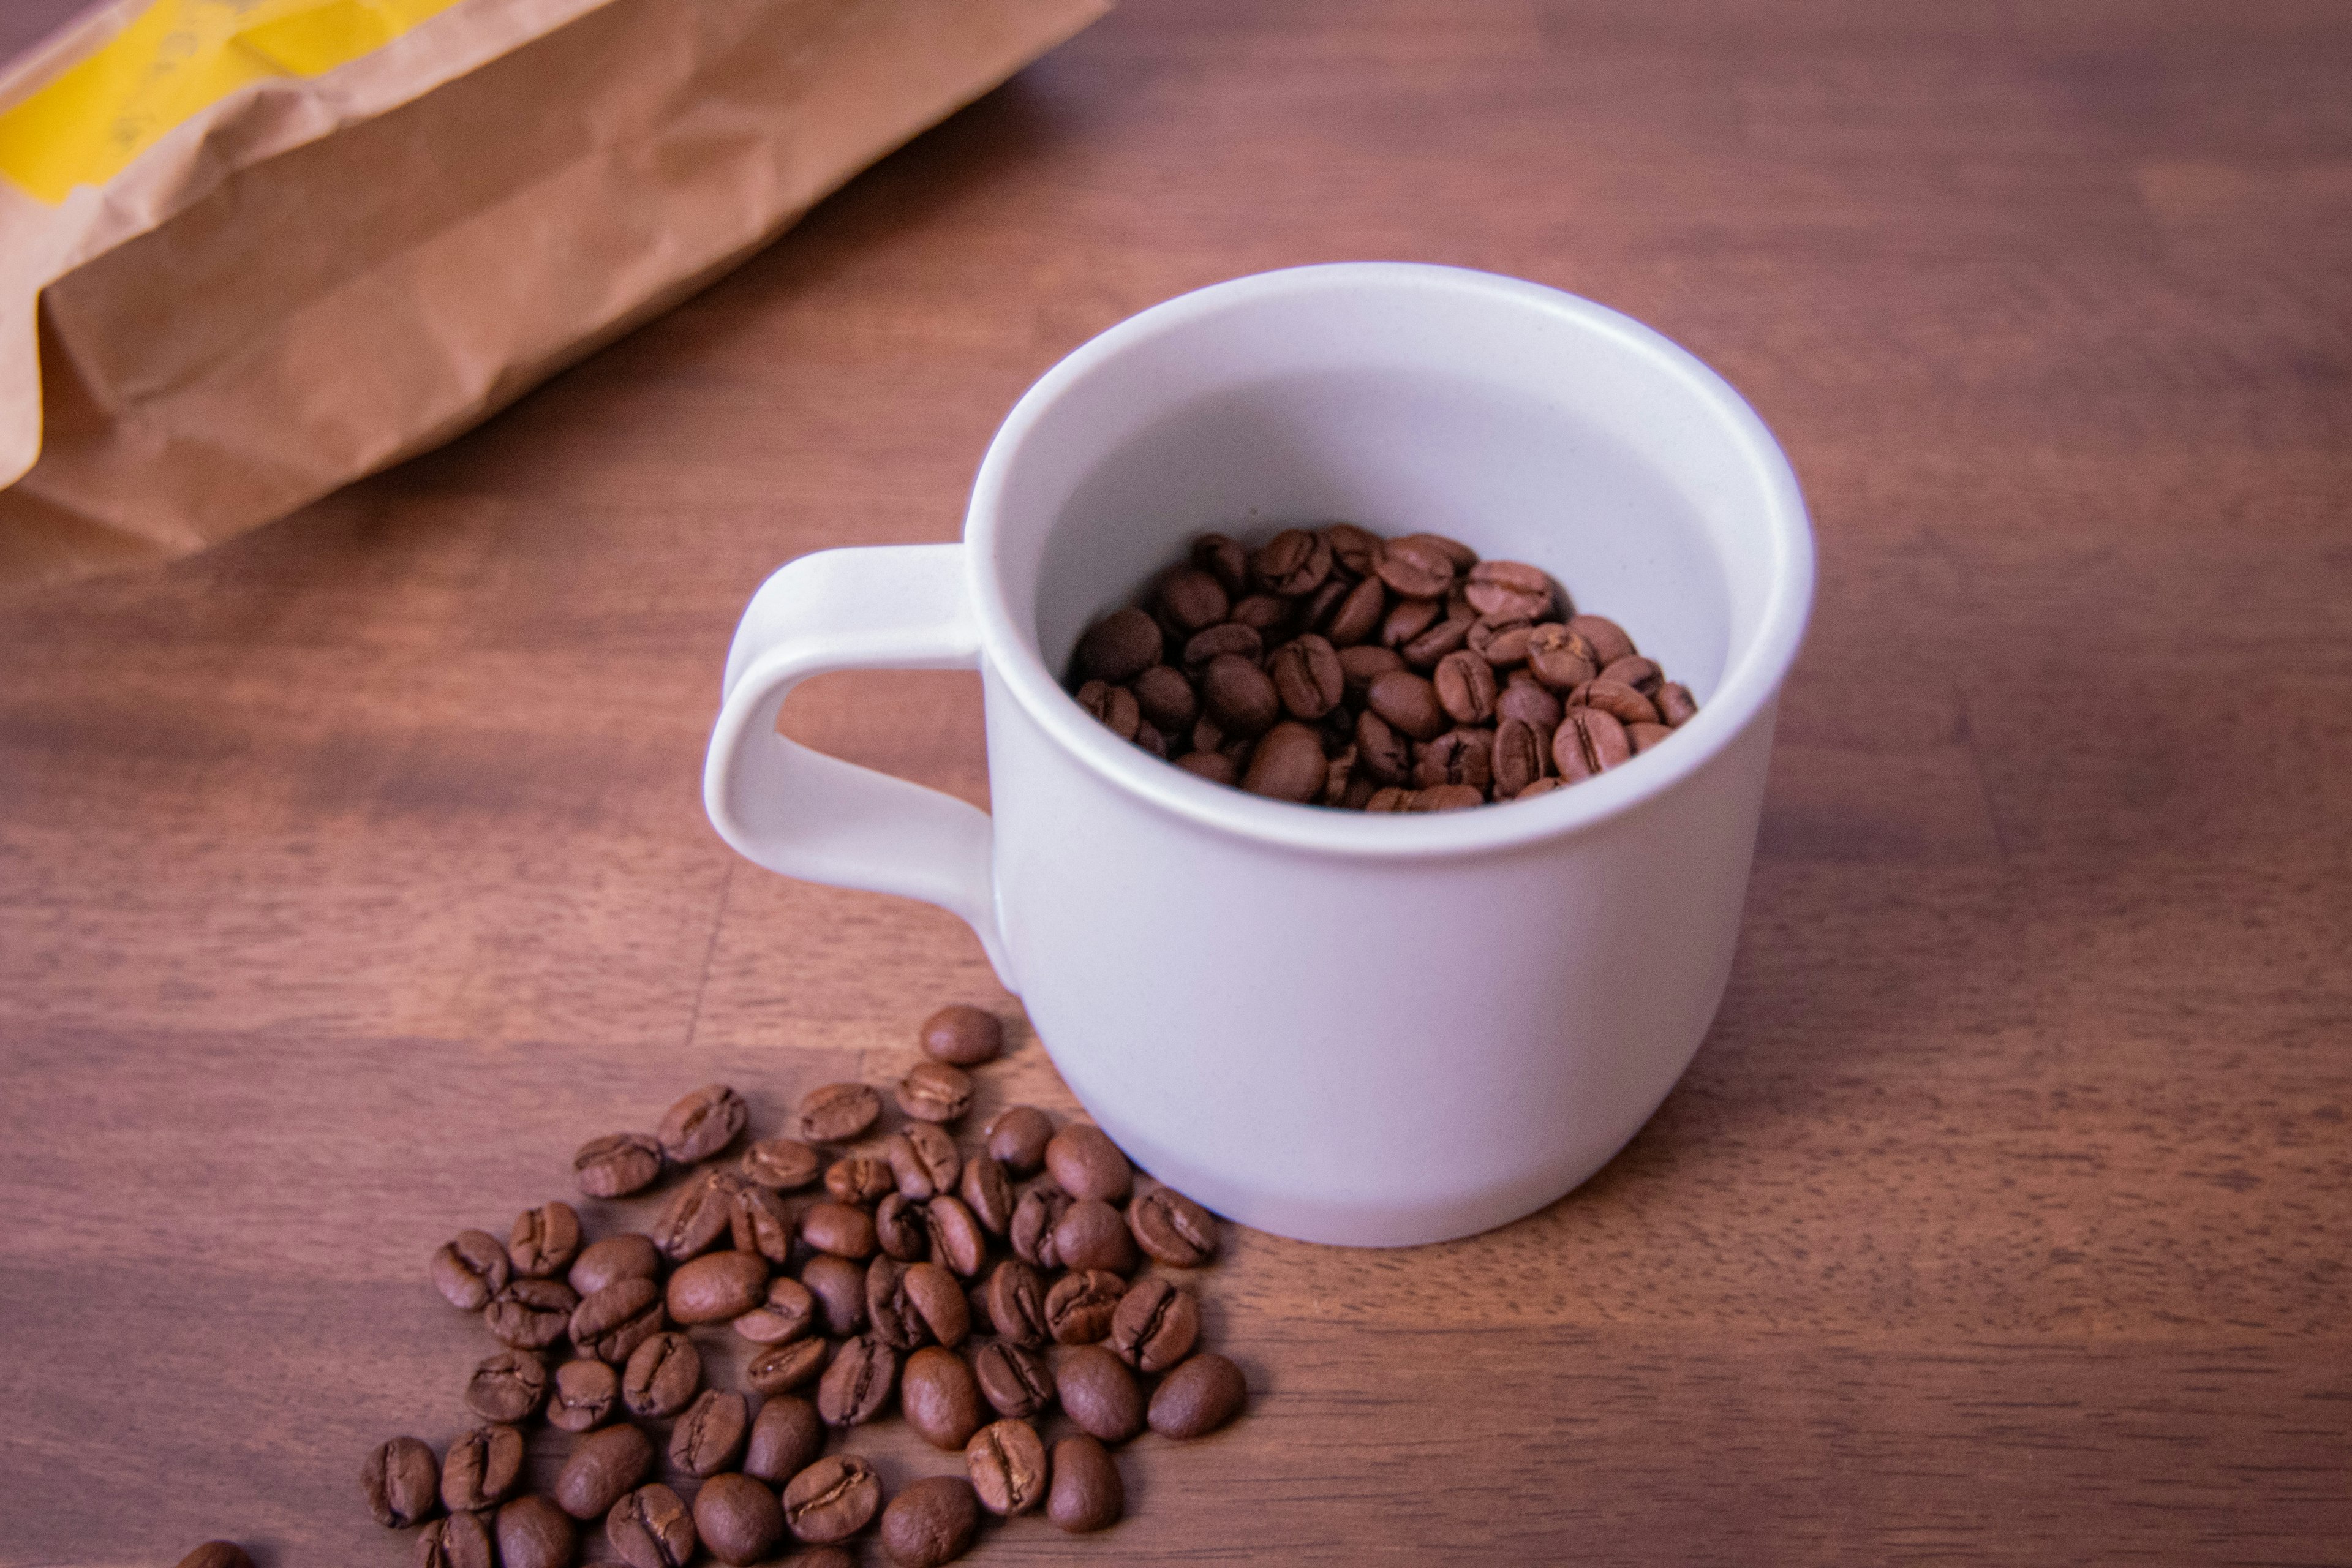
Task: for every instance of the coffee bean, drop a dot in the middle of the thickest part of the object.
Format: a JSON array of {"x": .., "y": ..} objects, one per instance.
[
  {"x": 761, "y": 1221},
  {"x": 1501, "y": 643},
  {"x": 1518, "y": 757},
  {"x": 1508, "y": 588},
  {"x": 1413, "y": 568},
  {"x": 469, "y": 1270},
  {"x": 1358, "y": 664},
  {"x": 696, "y": 1214},
  {"x": 957, "y": 1240},
  {"x": 966, "y": 1036},
  {"x": 1453, "y": 549},
  {"x": 616, "y": 1258},
  {"x": 711, "y": 1433},
  {"x": 1086, "y": 1494},
  {"x": 1286, "y": 764},
  {"x": 1085, "y": 1164},
  {"x": 544, "y": 1240},
  {"x": 987, "y": 1192},
  {"x": 1190, "y": 599},
  {"x": 1359, "y": 615},
  {"x": 402, "y": 1483},
  {"x": 482, "y": 1468},
  {"x": 1407, "y": 619},
  {"x": 786, "y": 1437},
  {"x": 839, "y": 1229},
  {"x": 1447, "y": 797},
  {"x": 1015, "y": 1299},
  {"x": 1338, "y": 778},
  {"x": 1588, "y": 742},
  {"x": 923, "y": 1160},
  {"x": 702, "y": 1125},
  {"x": 1119, "y": 647},
  {"x": 532, "y": 1533},
  {"x": 934, "y": 1296},
  {"x": 583, "y": 1397},
  {"x": 1223, "y": 558},
  {"x": 1624, "y": 703},
  {"x": 1080, "y": 1306},
  {"x": 1213, "y": 766},
  {"x": 1112, "y": 707},
  {"x": 941, "y": 1398},
  {"x": 1007, "y": 1465},
  {"x": 858, "y": 1179},
  {"x": 1465, "y": 688},
  {"x": 833, "y": 1499},
  {"x": 718, "y": 1287},
  {"x": 787, "y": 1313},
  {"x": 1441, "y": 639},
  {"x": 1239, "y": 696},
  {"x": 611, "y": 1325},
  {"x": 1642, "y": 737},
  {"x": 530, "y": 1314},
  {"x": 1527, "y": 700},
  {"x": 508, "y": 1386},
  {"x": 780, "y": 1369},
  {"x": 599, "y": 1471},
  {"x": 1156, "y": 1326},
  {"x": 1456, "y": 757},
  {"x": 1608, "y": 639},
  {"x": 217, "y": 1554},
  {"x": 461, "y": 1541},
  {"x": 841, "y": 1111},
  {"x": 931, "y": 1521},
  {"x": 785, "y": 1164},
  {"x": 839, "y": 1285},
  {"x": 887, "y": 1315},
  {"x": 1307, "y": 676},
  {"x": 1017, "y": 1136},
  {"x": 617, "y": 1164},
  {"x": 899, "y": 1230},
  {"x": 1198, "y": 1397},
  {"x": 737, "y": 1519},
  {"x": 1408, "y": 703},
  {"x": 1167, "y": 703},
  {"x": 662, "y": 1377},
  {"x": 1012, "y": 1378},
  {"x": 651, "y": 1528},
  {"x": 1675, "y": 705},
  {"x": 1093, "y": 1235},
  {"x": 1172, "y": 1228},
  {"x": 1383, "y": 753},
  {"x": 1292, "y": 562},
  {"x": 1389, "y": 801},
  {"x": 1559, "y": 655},
  {"x": 857, "y": 1385},
  {"x": 1034, "y": 1219},
  {"x": 1245, "y": 643},
  {"x": 1641, "y": 674},
  {"x": 1098, "y": 1393}
]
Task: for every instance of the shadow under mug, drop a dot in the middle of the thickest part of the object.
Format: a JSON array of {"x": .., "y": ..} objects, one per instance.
[{"x": 1340, "y": 1027}]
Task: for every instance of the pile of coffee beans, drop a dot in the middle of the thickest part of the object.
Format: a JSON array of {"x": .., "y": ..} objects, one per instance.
[
  {"x": 866, "y": 1260},
  {"x": 1332, "y": 666}
]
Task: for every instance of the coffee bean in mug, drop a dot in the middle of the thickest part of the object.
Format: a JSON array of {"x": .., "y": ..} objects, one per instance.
[
  {"x": 786, "y": 1437},
  {"x": 711, "y": 1433},
  {"x": 508, "y": 1387},
  {"x": 482, "y": 1468},
  {"x": 1017, "y": 1136},
  {"x": 469, "y": 1270},
  {"x": 962, "y": 1037},
  {"x": 651, "y": 1528},
  {"x": 616, "y": 1164},
  {"x": 702, "y": 1125},
  {"x": 716, "y": 1287},
  {"x": 616, "y": 1258},
  {"x": 600, "y": 1470},
  {"x": 1087, "y": 1493},
  {"x": 786, "y": 1164},
  {"x": 460, "y": 1540},
  {"x": 838, "y": 1112},
  {"x": 402, "y": 1483},
  {"x": 611, "y": 1325},
  {"x": 935, "y": 1092},
  {"x": 1013, "y": 1379},
  {"x": 662, "y": 1377},
  {"x": 832, "y": 1499},
  {"x": 737, "y": 1519},
  {"x": 1171, "y": 1228},
  {"x": 1098, "y": 1393},
  {"x": 1085, "y": 1164},
  {"x": 1156, "y": 1326},
  {"x": 1007, "y": 1463},
  {"x": 532, "y": 1533},
  {"x": 584, "y": 1396},
  {"x": 530, "y": 1314},
  {"x": 1200, "y": 1396},
  {"x": 941, "y": 1398},
  {"x": 217, "y": 1554},
  {"x": 544, "y": 1240},
  {"x": 931, "y": 1521}
]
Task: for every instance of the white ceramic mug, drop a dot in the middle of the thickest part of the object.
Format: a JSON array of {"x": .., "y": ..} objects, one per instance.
[{"x": 1342, "y": 1028}]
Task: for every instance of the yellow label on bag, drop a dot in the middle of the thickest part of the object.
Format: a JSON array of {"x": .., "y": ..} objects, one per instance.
[{"x": 173, "y": 59}]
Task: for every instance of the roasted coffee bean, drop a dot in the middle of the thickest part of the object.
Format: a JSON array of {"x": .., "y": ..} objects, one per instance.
[
  {"x": 1286, "y": 764},
  {"x": 1361, "y": 663},
  {"x": 1383, "y": 753},
  {"x": 1172, "y": 1228},
  {"x": 711, "y": 1433},
  {"x": 1507, "y": 588},
  {"x": 1500, "y": 643},
  {"x": 839, "y": 1229},
  {"x": 1093, "y": 1235},
  {"x": 602, "y": 1262},
  {"x": 1007, "y": 1465},
  {"x": 1190, "y": 599},
  {"x": 1359, "y": 615},
  {"x": 1532, "y": 703},
  {"x": 218, "y": 1554},
  {"x": 1224, "y": 558},
  {"x": 936, "y": 1298},
  {"x": 1307, "y": 676},
  {"x": 1086, "y": 1494},
  {"x": 508, "y": 1387},
  {"x": 1675, "y": 705},
  {"x": 1012, "y": 1378},
  {"x": 530, "y": 1314},
  {"x": 899, "y": 1230},
  {"x": 1518, "y": 757},
  {"x": 1198, "y": 1397},
  {"x": 611, "y": 1325},
  {"x": 1156, "y": 1326},
  {"x": 1213, "y": 766},
  {"x": 935, "y": 1092},
  {"x": 987, "y": 1192},
  {"x": 696, "y": 1214},
  {"x": 544, "y": 1241},
  {"x": 1080, "y": 1306},
  {"x": 617, "y": 1164},
  {"x": 737, "y": 1519},
  {"x": 858, "y": 1179},
  {"x": 761, "y": 1221},
  {"x": 1642, "y": 737},
  {"x": 1112, "y": 707},
  {"x": 1413, "y": 567},
  {"x": 1560, "y": 657},
  {"x": 1266, "y": 613},
  {"x": 651, "y": 1528},
  {"x": 1588, "y": 742},
  {"x": 1085, "y": 1164},
  {"x": 1641, "y": 674},
  {"x": 1017, "y": 1136},
  {"x": 1465, "y": 688},
  {"x": 1117, "y": 648},
  {"x": 469, "y": 1270},
  {"x": 787, "y": 1313},
  {"x": 702, "y": 1124},
  {"x": 1407, "y": 619},
  {"x": 1607, "y": 638},
  {"x": 1015, "y": 1299},
  {"x": 780, "y": 1369},
  {"x": 1034, "y": 1219},
  {"x": 662, "y": 1377},
  {"x": 402, "y": 1483},
  {"x": 1354, "y": 548},
  {"x": 1245, "y": 643},
  {"x": 584, "y": 1396},
  {"x": 841, "y": 1111},
  {"x": 1447, "y": 797},
  {"x": 1624, "y": 703},
  {"x": 717, "y": 1288},
  {"x": 857, "y": 1385},
  {"x": 1098, "y": 1393},
  {"x": 1408, "y": 703},
  {"x": 532, "y": 1533},
  {"x": 833, "y": 1499},
  {"x": 1339, "y": 777},
  {"x": 786, "y": 1437},
  {"x": 1442, "y": 639},
  {"x": 966, "y": 1036},
  {"x": 786, "y": 1164},
  {"x": 600, "y": 1470},
  {"x": 888, "y": 1317},
  {"x": 461, "y": 1541},
  {"x": 1239, "y": 696},
  {"x": 941, "y": 1398},
  {"x": 931, "y": 1521},
  {"x": 1456, "y": 757},
  {"x": 1390, "y": 800},
  {"x": 1167, "y": 703},
  {"x": 839, "y": 1285},
  {"x": 1453, "y": 549},
  {"x": 1292, "y": 562},
  {"x": 482, "y": 1468},
  {"x": 957, "y": 1240}
]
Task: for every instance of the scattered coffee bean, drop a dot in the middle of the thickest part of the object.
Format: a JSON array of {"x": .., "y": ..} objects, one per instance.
[
  {"x": 1092, "y": 1235},
  {"x": 858, "y": 1179},
  {"x": 838, "y": 1112},
  {"x": 1098, "y": 1393},
  {"x": 839, "y": 1285},
  {"x": 402, "y": 1483},
  {"x": 584, "y": 1396},
  {"x": 923, "y": 1160},
  {"x": 1156, "y": 1326},
  {"x": 935, "y": 1092},
  {"x": 1017, "y": 1136},
  {"x": 841, "y": 1229},
  {"x": 711, "y": 1433},
  {"x": 1015, "y": 1297},
  {"x": 941, "y": 1398},
  {"x": 786, "y": 1437},
  {"x": 702, "y": 1124},
  {"x": 1012, "y": 1378},
  {"x": 889, "y": 1316},
  {"x": 833, "y": 1499},
  {"x": 1080, "y": 1306},
  {"x": 544, "y": 1240},
  {"x": 532, "y": 1533},
  {"x": 899, "y": 1230},
  {"x": 780, "y": 1369},
  {"x": 716, "y": 1287},
  {"x": 763, "y": 1222},
  {"x": 508, "y": 1387},
  {"x": 616, "y": 1258},
  {"x": 1087, "y": 1493},
  {"x": 1085, "y": 1164},
  {"x": 600, "y": 1470},
  {"x": 651, "y": 1528},
  {"x": 460, "y": 1540},
  {"x": 857, "y": 1384},
  {"x": 736, "y": 1517},
  {"x": 785, "y": 1164},
  {"x": 530, "y": 1314},
  {"x": 957, "y": 1240},
  {"x": 217, "y": 1554},
  {"x": 1007, "y": 1464},
  {"x": 1034, "y": 1218},
  {"x": 987, "y": 1192},
  {"x": 787, "y": 1313},
  {"x": 931, "y": 1521},
  {"x": 1172, "y": 1228},
  {"x": 617, "y": 1164},
  {"x": 662, "y": 1377},
  {"x": 966, "y": 1036},
  {"x": 696, "y": 1214},
  {"x": 482, "y": 1468},
  {"x": 1200, "y": 1396},
  {"x": 935, "y": 1297},
  {"x": 611, "y": 1325},
  {"x": 469, "y": 1270}
]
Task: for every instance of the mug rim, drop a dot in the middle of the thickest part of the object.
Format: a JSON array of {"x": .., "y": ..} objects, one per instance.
[{"x": 1751, "y": 679}]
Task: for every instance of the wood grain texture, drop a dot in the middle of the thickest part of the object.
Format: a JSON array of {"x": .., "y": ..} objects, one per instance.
[{"x": 352, "y": 874}]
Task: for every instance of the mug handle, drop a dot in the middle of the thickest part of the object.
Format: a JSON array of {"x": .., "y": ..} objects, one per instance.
[{"x": 803, "y": 814}]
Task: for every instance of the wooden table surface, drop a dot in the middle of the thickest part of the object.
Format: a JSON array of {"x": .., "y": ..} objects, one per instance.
[{"x": 353, "y": 873}]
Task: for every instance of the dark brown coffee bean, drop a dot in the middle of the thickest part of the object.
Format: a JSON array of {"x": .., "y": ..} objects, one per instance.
[
  {"x": 1213, "y": 766},
  {"x": 1413, "y": 568},
  {"x": 530, "y": 1314},
  {"x": 1607, "y": 638},
  {"x": 1034, "y": 1219},
  {"x": 737, "y": 1519},
  {"x": 599, "y": 1471},
  {"x": 923, "y": 1161},
  {"x": 784, "y": 1165},
  {"x": 1641, "y": 674},
  {"x": 616, "y": 1164},
  {"x": 1098, "y": 1393},
  {"x": 650, "y": 1528},
  {"x": 1357, "y": 615},
  {"x": 1408, "y": 703},
  {"x": 1007, "y": 1464},
  {"x": 718, "y": 1288},
  {"x": 1234, "y": 639},
  {"x": 1339, "y": 777},
  {"x": 532, "y": 1533},
  {"x": 1085, "y": 1164},
  {"x": 508, "y": 1387},
  {"x": 1390, "y": 801},
  {"x": 1307, "y": 676},
  {"x": 616, "y": 1258},
  {"x": 1354, "y": 548},
  {"x": 841, "y": 1111},
  {"x": 935, "y": 1092},
  {"x": 584, "y": 1396},
  {"x": 711, "y": 1433},
  {"x": 1504, "y": 589},
  {"x": 1430, "y": 650},
  {"x": 1017, "y": 1136},
  {"x": 833, "y": 1499},
  {"x": 482, "y": 1468},
  {"x": 1292, "y": 562},
  {"x": 957, "y": 1239},
  {"x": 1407, "y": 619},
  {"x": 931, "y": 1521},
  {"x": 764, "y": 1222},
  {"x": 611, "y": 1325},
  {"x": 1560, "y": 657},
  {"x": 218, "y": 1554},
  {"x": 1447, "y": 797},
  {"x": 1156, "y": 1326},
  {"x": 1624, "y": 703},
  {"x": 1172, "y": 1228},
  {"x": 1264, "y": 614},
  {"x": 1112, "y": 707},
  {"x": 839, "y": 1285},
  {"x": 662, "y": 1377},
  {"x": 1015, "y": 1299},
  {"x": 544, "y": 1240},
  {"x": 1518, "y": 757},
  {"x": 1588, "y": 742},
  {"x": 786, "y": 1437},
  {"x": 702, "y": 1125},
  {"x": 461, "y": 1541},
  {"x": 696, "y": 1214},
  {"x": 839, "y": 1229},
  {"x": 1151, "y": 740},
  {"x": 1465, "y": 688},
  {"x": 1012, "y": 1378},
  {"x": 899, "y": 1230},
  {"x": 780, "y": 1369},
  {"x": 858, "y": 1179},
  {"x": 857, "y": 1383},
  {"x": 1190, "y": 599},
  {"x": 1675, "y": 705},
  {"x": 1500, "y": 643},
  {"x": 936, "y": 1297},
  {"x": 1453, "y": 549},
  {"x": 1167, "y": 703},
  {"x": 1239, "y": 696},
  {"x": 888, "y": 1317},
  {"x": 987, "y": 1192},
  {"x": 1117, "y": 648},
  {"x": 1380, "y": 752},
  {"x": 1286, "y": 764},
  {"x": 1093, "y": 1235},
  {"x": 1360, "y": 664},
  {"x": 941, "y": 1398},
  {"x": 1198, "y": 1397},
  {"x": 786, "y": 1314},
  {"x": 1225, "y": 559},
  {"x": 1456, "y": 757},
  {"x": 1642, "y": 737},
  {"x": 402, "y": 1483},
  {"x": 1086, "y": 1494},
  {"x": 469, "y": 1270},
  {"x": 1530, "y": 702},
  {"x": 1080, "y": 1306}
]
